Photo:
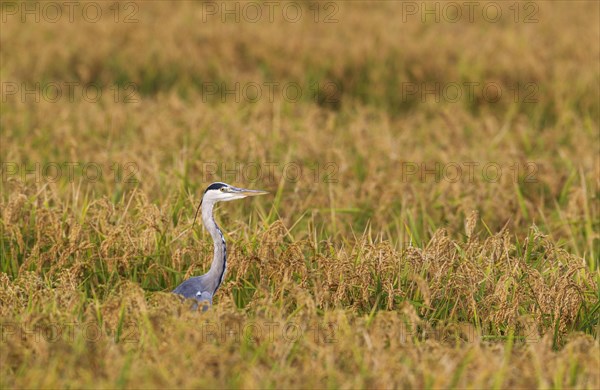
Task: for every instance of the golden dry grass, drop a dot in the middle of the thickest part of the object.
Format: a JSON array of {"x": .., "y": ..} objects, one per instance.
[{"x": 371, "y": 277}]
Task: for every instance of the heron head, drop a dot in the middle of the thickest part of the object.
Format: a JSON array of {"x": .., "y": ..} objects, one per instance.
[{"x": 221, "y": 192}]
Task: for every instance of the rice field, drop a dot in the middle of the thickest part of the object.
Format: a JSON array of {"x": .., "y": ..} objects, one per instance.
[{"x": 433, "y": 218}]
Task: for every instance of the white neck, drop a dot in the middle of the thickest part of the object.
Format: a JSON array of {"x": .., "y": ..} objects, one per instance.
[{"x": 219, "y": 264}]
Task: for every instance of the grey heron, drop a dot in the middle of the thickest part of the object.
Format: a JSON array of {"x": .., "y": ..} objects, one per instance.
[{"x": 203, "y": 288}]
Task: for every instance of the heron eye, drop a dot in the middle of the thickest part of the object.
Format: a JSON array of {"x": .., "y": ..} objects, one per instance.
[{"x": 222, "y": 189}]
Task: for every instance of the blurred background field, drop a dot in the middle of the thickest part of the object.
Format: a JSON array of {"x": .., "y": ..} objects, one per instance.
[{"x": 434, "y": 214}]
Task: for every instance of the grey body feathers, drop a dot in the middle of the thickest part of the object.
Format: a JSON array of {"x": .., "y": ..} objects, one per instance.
[{"x": 195, "y": 288}]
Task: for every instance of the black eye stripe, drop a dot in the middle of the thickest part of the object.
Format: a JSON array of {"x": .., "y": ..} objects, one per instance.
[{"x": 215, "y": 186}]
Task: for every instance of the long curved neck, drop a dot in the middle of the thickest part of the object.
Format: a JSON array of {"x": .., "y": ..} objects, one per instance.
[{"x": 218, "y": 267}]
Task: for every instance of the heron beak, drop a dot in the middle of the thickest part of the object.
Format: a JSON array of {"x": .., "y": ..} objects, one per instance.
[{"x": 246, "y": 192}]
